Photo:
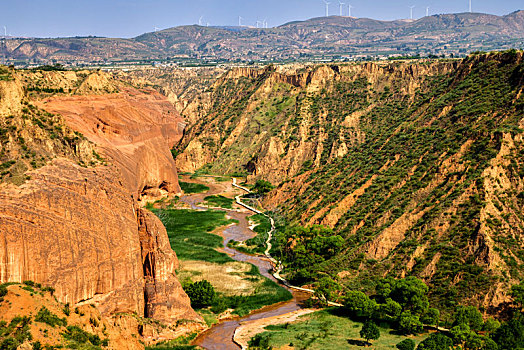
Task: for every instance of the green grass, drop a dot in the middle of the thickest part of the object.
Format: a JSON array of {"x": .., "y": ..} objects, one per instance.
[
  {"x": 189, "y": 187},
  {"x": 189, "y": 233},
  {"x": 327, "y": 329},
  {"x": 219, "y": 201},
  {"x": 257, "y": 244}
]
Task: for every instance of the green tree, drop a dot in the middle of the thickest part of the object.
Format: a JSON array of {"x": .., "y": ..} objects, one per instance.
[
  {"x": 263, "y": 187},
  {"x": 358, "y": 304},
  {"x": 461, "y": 333},
  {"x": 406, "y": 344},
  {"x": 431, "y": 317},
  {"x": 517, "y": 293},
  {"x": 409, "y": 323},
  {"x": 411, "y": 294},
  {"x": 370, "y": 331},
  {"x": 510, "y": 335},
  {"x": 436, "y": 341},
  {"x": 389, "y": 310},
  {"x": 201, "y": 293},
  {"x": 490, "y": 325},
  {"x": 325, "y": 289},
  {"x": 384, "y": 287},
  {"x": 469, "y": 315}
]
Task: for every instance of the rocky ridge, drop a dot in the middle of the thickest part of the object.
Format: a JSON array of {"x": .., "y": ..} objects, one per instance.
[{"x": 332, "y": 36}]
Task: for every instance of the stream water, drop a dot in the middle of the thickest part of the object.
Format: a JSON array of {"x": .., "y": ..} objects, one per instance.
[{"x": 220, "y": 336}]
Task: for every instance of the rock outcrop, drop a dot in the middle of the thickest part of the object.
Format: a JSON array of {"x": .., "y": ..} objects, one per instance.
[{"x": 80, "y": 227}]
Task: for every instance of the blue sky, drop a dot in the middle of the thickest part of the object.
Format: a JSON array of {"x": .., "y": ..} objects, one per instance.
[{"x": 128, "y": 18}]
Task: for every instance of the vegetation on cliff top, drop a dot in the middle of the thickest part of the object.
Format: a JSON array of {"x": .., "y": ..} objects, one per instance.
[{"x": 30, "y": 137}]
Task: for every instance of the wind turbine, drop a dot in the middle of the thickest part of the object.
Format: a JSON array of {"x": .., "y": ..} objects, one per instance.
[
  {"x": 411, "y": 11},
  {"x": 264, "y": 23},
  {"x": 5, "y": 31},
  {"x": 327, "y": 7},
  {"x": 240, "y": 21},
  {"x": 341, "y": 4},
  {"x": 200, "y": 20},
  {"x": 470, "y": 8},
  {"x": 349, "y": 9},
  {"x": 427, "y": 11}
]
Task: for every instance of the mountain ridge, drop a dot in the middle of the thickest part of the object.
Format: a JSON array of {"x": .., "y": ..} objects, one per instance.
[{"x": 322, "y": 36}]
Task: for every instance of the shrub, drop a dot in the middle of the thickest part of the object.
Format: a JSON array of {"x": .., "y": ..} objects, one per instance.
[
  {"x": 370, "y": 331},
  {"x": 436, "y": 341},
  {"x": 3, "y": 291},
  {"x": 260, "y": 341},
  {"x": 201, "y": 293},
  {"x": 406, "y": 344},
  {"x": 78, "y": 335},
  {"x": 46, "y": 316}
]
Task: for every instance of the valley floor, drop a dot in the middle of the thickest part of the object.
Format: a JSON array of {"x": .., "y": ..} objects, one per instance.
[{"x": 200, "y": 237}]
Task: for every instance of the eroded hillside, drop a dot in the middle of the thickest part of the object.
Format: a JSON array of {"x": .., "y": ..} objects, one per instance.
[
  {"x": 417, "y": 165},
  {"x": 79, "y": 150}
]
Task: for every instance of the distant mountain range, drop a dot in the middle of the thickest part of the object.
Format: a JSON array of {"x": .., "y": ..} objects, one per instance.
[{"x": 326, "y": 37}]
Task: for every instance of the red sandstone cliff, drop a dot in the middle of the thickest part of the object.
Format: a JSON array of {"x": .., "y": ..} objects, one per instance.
[{"x": 80, "y": 229}]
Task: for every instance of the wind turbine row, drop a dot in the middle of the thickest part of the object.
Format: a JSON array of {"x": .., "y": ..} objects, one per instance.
[
  {"x": 427, "y": 10},
  {"x": 341, "y": 8}
]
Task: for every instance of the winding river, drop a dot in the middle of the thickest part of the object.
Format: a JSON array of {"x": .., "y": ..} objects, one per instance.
[{"x": 220, "y": 336}]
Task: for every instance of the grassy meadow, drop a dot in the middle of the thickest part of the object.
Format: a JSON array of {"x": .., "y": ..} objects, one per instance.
[{"x": 326, "y": 329}]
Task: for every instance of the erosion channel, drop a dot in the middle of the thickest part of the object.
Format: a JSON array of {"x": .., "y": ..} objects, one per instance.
[{"x": 220, "y": 336}]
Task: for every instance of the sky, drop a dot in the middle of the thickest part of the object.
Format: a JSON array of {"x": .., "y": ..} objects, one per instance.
[{"x": 129, "y": 18}]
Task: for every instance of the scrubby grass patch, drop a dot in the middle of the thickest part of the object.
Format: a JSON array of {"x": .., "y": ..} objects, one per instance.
[
  {"x": 219, "y": 202},
  {"x": 327, "y": 329},
  {"x": 189, "y": 187},
  {"x": 180, "y": 343}
]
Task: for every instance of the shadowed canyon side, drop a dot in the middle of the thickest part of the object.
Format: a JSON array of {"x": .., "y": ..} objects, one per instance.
[
  {"x": 418, "y": 165},
  {"x": 69, "y": 198}
]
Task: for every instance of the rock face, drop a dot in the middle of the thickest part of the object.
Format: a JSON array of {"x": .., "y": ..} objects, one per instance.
[
  {"x": 136, "y": 130},
  {"x": 74, "y": 229},
  {"x": 81, "y": 229}
]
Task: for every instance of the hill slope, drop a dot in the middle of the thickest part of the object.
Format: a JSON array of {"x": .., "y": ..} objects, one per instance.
[
  {"x": 417, "y": 165},
  {"x": 328, "y": 36}
]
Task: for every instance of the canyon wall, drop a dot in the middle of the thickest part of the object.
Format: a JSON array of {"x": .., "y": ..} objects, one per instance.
[
  {"x": 74, "y": 220},
  {"x": 417, "y": 164}
]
